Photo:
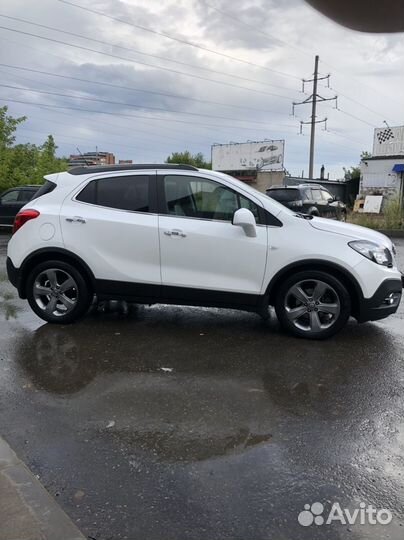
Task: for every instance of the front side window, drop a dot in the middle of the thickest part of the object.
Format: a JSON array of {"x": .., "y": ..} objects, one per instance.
[
  {"x": 122, "y": 193},
  {"x": 202, "y": 198},
  {"x": 10, "y": 198},
  {"x": 326, "y": 195},
  {"x": 317, "y": 195}
]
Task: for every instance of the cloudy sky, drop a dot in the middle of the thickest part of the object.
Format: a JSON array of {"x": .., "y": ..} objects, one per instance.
[{"x": 145, "y": 78}]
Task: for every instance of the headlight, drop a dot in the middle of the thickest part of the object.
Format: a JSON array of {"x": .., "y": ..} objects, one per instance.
[{"x": 375, "y": 252}]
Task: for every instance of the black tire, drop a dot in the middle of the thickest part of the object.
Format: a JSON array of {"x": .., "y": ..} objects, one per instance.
[
  {"x": 319, "y": 319},
  {"x": 46, "y": 283}
]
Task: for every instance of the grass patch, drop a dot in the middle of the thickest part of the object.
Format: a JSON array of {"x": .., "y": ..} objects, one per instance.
[{"x": 391, "y": 218}]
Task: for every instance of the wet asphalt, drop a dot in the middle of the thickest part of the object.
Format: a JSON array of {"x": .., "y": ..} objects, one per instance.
[{"x": 182, "y": 423}]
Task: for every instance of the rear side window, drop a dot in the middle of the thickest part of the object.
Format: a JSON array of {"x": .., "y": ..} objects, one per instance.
[
  {"x": 47, "y": 187},
  {"x": 284, "y": 195},
  {"x": 122, "y": 193}
]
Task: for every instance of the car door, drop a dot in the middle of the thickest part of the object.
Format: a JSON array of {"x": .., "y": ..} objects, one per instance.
[
  {"x": 330, "y": 208},
  {"x": 111, "y": 223},
  {"x": 201, "y": 251},
  {"x": 9, "y": 206},
  {"x": 319, "y": 202}
]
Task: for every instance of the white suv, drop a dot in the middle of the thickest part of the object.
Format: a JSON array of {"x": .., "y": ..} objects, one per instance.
[{"x": 175, "y": 234}]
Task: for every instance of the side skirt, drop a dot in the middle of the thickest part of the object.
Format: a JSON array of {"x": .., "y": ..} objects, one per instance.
[{"x": 144, "y": 293}]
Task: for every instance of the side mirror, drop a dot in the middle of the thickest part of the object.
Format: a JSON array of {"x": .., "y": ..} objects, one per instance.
[
  {"x": 331, "y": 199},
  {"x": 245, "y": 219}
]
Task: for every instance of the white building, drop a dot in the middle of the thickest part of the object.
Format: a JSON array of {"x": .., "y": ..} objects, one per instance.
[{"x": 382, "y": 174}]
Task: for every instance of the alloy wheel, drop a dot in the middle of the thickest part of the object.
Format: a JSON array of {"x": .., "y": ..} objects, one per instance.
[
  {"x": 55, "y": 292},
  {"x": 312, "y": 305}
]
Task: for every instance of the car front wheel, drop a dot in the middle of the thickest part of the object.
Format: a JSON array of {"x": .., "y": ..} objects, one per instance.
[
  {"x": 57, "y": 292},
  {"x": 314, "y": 305}
]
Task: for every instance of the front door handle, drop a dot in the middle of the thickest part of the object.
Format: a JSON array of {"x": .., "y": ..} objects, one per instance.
[
  {"x": 75, "y": 219},
  {"x": 175, "y": 232}
]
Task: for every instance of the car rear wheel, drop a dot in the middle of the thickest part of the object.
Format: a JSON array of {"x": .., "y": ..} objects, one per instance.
[
  {"x": 314, "y": 305},
  {"x": 58, "y": 293}
]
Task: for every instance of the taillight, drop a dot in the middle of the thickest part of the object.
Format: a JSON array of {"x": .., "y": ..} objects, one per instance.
[{"x": 22, "y": 217}]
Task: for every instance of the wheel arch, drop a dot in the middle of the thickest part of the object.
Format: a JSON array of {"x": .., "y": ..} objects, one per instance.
[
  {"x": 48, "y": 254},
  {"x": 337, "y": 271}
]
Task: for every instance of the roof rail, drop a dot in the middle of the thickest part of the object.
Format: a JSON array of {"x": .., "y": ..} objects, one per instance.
[{"x": 138, "y": 167}]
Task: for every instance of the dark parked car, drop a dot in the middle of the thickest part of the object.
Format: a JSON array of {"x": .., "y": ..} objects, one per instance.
[
  {"x": 309, "y": 199},
  {"x": 11, "y": 202}
]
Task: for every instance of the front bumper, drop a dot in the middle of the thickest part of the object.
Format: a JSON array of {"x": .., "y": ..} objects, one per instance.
[{"x": 383, "y": 303}]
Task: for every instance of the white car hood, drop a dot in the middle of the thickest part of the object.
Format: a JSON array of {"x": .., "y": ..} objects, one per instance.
[{"x": 352, "y": 231}]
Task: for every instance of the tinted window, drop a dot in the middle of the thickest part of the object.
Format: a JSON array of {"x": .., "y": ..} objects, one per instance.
[
  {"x": 203, "y": 198},
  {"x": 284, "y": 195},
  {"x": 47, "y": 187},
  {"x": 26, "y": 195},
  {"x": 10, "y": 197},
  {"x": 123, "y": 193}
]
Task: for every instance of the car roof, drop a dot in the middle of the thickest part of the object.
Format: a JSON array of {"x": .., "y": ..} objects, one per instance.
[
  {"x": 298, "y": 186},
  {"x": 26, "y": 186},
  {"x": 283, "y": 187},
  {"x": 138, "y": 167}
]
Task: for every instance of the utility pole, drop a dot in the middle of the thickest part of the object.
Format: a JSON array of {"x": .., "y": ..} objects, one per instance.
[
  {"x": 313, "y": 100},
  {"x": 313, "y": 118}
]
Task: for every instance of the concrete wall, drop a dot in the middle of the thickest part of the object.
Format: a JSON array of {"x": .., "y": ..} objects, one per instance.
[
  {"x": 266, "y": 179},
  {"x": 377, "y": 177}
]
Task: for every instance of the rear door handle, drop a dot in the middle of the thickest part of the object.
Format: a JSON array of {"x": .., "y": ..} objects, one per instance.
[
  {"x": 175, "y": 232},
  {"x": 75, "y": 219}
]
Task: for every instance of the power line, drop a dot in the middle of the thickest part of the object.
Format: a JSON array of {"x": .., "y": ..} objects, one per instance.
[
  {"x": 374, "y": 90},
  {"x": 290, "y": 46},
  {"x": 142, "y": 63},
  {"x": 179, "y": 40},
  {"x": 133, "y": 105},
  {"x": 359, "y": 103},
  {"x": 221, "y": 126},
  {"x": 81, "y": 36},
  {"x": 134, "y": 89},
  {"x": 256, "y": 29},
  {"x": 145, "y": 135}
]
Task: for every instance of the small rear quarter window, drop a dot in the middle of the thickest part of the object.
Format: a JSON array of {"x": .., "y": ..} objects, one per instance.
[{"x": 43, "y": 190}]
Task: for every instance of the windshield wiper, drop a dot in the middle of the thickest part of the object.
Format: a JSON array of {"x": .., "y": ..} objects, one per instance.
[{"x": 303, "y": 216}]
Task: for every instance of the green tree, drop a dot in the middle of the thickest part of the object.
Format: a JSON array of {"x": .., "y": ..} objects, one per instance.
[
  {"x": 186, "y": 158},
  {"x": 354, "y": 173},
  {"x": 47, "y": 162},
  {"x": 24, "y": 163},
  {"x": 8, "y": 127}
]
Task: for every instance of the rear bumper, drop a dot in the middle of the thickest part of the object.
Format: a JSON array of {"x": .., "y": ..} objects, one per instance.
[
  {"x": 12, "y": 272},
  {"x": 14, "y": 276},
  {"x": 383, "y": 303}
]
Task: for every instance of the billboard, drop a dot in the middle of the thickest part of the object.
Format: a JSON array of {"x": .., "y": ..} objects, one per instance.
[
  {"x": 263, "y": 156},
  {"x": 388, "y": 141}
]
